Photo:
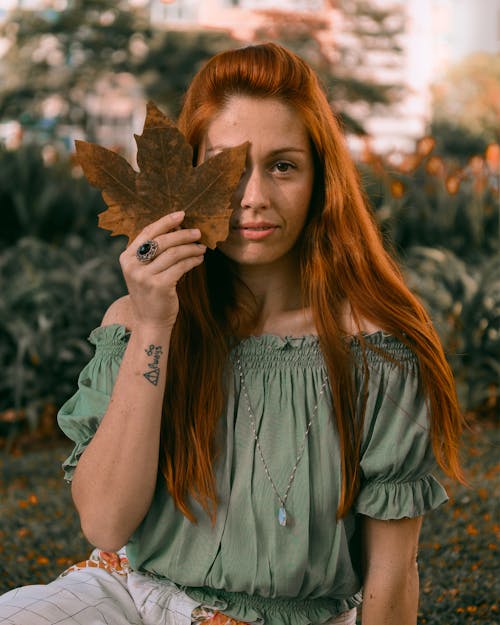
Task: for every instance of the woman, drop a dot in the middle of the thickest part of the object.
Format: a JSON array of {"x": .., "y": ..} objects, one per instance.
[{"x": 278, "y": 461}]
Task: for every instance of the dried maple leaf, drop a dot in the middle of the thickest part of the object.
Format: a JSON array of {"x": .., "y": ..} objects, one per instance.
[{"x": 166, "y": 182}]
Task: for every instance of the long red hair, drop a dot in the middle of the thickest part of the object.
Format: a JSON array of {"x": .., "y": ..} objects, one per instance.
[{"x": 343, "y": 259}]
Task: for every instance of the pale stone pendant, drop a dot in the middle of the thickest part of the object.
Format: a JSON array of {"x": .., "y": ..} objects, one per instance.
[{"x": 282, "y": 516}]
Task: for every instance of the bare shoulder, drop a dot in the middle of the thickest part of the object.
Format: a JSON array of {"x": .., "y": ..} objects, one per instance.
[
  {"x": 364, "y": 326},
  {"x": 120, "y": 312}
]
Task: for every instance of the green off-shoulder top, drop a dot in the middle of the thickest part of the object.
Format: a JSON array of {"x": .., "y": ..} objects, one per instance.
[{"x": 247, "y": 564}]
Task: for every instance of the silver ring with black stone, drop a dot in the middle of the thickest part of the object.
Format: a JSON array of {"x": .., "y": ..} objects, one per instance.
[{"x": 147, "y": 251}]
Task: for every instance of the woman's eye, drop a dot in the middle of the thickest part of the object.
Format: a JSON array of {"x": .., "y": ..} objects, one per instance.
[{"x": 283, "y": 167}]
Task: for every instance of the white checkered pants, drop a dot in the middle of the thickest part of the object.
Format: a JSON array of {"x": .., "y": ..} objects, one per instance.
[
  {"x": 96, "y": 596},
  {"x": 103, "y": 591}
]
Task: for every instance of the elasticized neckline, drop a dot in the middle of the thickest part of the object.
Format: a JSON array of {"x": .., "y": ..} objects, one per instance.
[
  {"x": 271, "y": 349},
  {"x": 257, "y": 350}
]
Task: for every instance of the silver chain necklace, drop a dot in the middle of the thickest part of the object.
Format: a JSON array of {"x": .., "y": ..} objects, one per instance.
[{"x": 282, "y": 512}]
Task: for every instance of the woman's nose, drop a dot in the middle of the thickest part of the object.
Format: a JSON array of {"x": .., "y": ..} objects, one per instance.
[{"x": 252, "y": 191}]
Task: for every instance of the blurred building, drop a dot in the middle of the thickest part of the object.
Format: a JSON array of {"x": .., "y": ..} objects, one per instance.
[
  {"x": 240, "y": 17},
  {"x": 47, "y": 6}
]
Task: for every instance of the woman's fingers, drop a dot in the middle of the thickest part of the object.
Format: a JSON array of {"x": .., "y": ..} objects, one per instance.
[
  {"x": 152, "y": 284},
  {"x": 177, "y": 238},
  {"x": 165, "y": 242},
  {"x": 161, "y": 226},
  {"x": 175, "y": 254},
  {"x": 165, "y": 261},
  {"x": 183, "y": 266},
  {"x": 172, "y": 245}
]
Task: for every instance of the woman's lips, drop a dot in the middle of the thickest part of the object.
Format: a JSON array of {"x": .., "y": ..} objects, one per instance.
[{"x": 255, "y": 232}]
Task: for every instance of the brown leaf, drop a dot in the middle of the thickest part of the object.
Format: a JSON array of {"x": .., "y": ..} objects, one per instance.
[{"x": 166, "y": 181}]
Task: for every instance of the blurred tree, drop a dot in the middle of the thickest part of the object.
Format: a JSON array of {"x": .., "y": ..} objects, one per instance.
[
  {"x": 467, "y": 103},
  {"x": 343, "y": 53},
  {"x": 54, "y": 58}
]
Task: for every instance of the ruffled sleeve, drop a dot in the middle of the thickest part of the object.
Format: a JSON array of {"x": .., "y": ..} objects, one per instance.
[
  {"x": 396, "y": 456},
  {"x": 80, "y": 416}
]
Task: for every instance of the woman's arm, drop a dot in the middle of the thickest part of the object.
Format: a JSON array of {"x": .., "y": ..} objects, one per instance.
[
  {"x": 115, "y": 479},
  {"x": 391, "y": 584}
]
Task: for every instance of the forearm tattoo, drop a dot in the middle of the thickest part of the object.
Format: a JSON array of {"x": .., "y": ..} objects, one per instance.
[{"x": 153, "y": 373}]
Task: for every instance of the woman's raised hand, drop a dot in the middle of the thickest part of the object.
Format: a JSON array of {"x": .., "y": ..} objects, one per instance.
[{"x": 152, "y": 284}]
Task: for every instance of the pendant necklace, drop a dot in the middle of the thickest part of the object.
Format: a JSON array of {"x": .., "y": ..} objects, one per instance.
[{"x": 282, "y": 512}]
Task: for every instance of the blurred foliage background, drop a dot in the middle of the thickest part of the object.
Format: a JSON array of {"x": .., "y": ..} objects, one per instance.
[{"x": 438, "y": 207}]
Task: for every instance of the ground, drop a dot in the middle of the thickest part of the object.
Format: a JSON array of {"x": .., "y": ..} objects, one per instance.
[{"x": 459, "y": 554}]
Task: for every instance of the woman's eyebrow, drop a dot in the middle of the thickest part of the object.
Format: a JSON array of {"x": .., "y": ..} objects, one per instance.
[
  {"x": 275, "y": 152},
  {"x": 286, "y": 150}
]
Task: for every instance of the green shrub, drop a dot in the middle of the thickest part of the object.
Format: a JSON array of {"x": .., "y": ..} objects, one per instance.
[
  {"x": 482, "y": 341},
  {"x": 46, "y": 201},
  {"x": 444, "y": 283},
  {"x": 457, "y": 142},
  {"x": 444, "y": 221},
  {"x": 464, "y": 305},
  {"x": 426, "y": 200},
  {"x": 52, "y": 297}
]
